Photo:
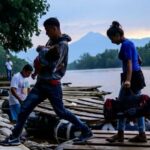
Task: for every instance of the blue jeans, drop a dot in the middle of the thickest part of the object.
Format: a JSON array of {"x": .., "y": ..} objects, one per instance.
[
  {"x": 9, "y": 74},
  {"x": 39, "y": 93},
  {"x": 141, "y": 121},
  {"x": 14, "y": 109}
]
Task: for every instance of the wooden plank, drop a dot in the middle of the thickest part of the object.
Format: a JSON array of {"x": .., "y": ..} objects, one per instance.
[
  {"x": 114, "y": 132},
  {"x": 77, "y": 103},
  {"x": 66, "y": 103},
  {"x": 92, "y": 115},
  {"x": 5, "y": 87},
  {"x": 98, "y": 101},
  {"x": 84, "y": 118},
  {"x": 48, "y": 112},
  {"x": 104, "y": 136},
  {"x": 101, "y": 143},
  {"x": 78, "y": 108},
  {"x": 4, "y": 83},
  {"x": 72, "y": 105},
  {"x": 86, "y": 109},
  {"x": 78, "y": 113},
  {"x": 98, "y": 147},
  {"x": 84, "y": 103},
  {"x": 79, "y": 96},
  {"x": 83, "y": 93},
  {"x": 98, "y": 141},
  {"x": 82, "y": 88}
]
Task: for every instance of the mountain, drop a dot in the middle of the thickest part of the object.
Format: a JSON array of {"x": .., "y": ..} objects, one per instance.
[
  {"x": 94, "y": 43},
  {"x": 91, "y": 43},
  {"x": 141, "y": 42}
]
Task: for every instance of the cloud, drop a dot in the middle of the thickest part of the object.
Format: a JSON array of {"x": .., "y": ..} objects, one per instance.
[{"x": 79, "y": 17}]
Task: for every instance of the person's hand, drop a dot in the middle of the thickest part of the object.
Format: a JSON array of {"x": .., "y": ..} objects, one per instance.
[
  {"x": 39, "y": 48},
  {"x": 127, "y": 84}
]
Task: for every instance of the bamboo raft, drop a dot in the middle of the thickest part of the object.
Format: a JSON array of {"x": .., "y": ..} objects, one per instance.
[{"x": 85, "y": 102}]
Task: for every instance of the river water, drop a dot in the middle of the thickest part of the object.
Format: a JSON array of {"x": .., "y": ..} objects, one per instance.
[{"x": 109, "y": 79}]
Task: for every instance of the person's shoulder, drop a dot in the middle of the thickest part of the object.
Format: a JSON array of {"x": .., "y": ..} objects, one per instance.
[
  {"x": 16, "y": 75},
  {"x": 127, "y": 43},
  {"x": 15, "y": 79},
  {"x": 64, "y": 39}
]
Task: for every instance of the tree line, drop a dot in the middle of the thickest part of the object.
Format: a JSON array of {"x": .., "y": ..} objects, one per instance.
[{"x": 107, "y": 59}]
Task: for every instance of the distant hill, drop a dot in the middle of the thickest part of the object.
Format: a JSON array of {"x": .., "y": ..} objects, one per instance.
[
  {"x": 92, "y": 43},
  {"x": 141, "y": 42}
]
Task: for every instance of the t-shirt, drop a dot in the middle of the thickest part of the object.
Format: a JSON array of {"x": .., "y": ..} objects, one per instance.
[
  {"x": 21, "y": 84},
  {"x": 9, "y": 65},
  {"x": 129, "y": 52}
]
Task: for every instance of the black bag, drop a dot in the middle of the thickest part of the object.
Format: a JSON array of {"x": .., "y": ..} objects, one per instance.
[{"x": 137, "y": 80}]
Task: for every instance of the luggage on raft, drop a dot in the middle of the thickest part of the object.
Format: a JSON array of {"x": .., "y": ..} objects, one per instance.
[
  {"x": 129, "y": 107},
  {"x": 65, "y": 131}
]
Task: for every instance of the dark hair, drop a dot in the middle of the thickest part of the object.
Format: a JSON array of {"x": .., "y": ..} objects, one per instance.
[
  {"x": 52, "y": 22},
  {"x": 28, "y": 67},
  {"x": 115, "y": 29}
]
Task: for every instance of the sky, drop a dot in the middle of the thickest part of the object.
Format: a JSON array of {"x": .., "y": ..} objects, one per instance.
[{"x": 78, "y": 17}]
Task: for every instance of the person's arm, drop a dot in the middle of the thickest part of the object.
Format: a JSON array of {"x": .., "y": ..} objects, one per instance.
[
  {"x": 139, "y": 60},
  {"x": 127, "y": 82},
  {"x": 63, "y": 52},
  {"x": 28, "y": 86},
  {"x": 14, "y": 93},
  {"x": 28, "y": 90}
]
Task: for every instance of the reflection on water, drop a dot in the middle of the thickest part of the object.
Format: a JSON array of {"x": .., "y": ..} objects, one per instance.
[{"x": 108, "y": 78}]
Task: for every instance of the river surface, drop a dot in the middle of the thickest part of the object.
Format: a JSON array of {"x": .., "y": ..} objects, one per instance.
[{"x": 109, "y": 79}]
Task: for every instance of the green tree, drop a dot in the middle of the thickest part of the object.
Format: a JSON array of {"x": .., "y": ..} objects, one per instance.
[
  {"x": 107, "y": 59},
  {"x": 85, "y": 61},
  {"x": 19, "y": 21},
  {"x": 145, "y": 54}
]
